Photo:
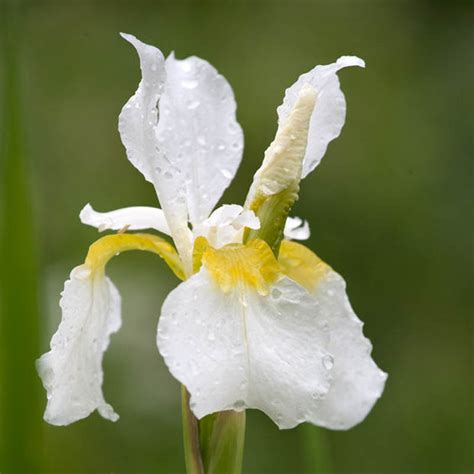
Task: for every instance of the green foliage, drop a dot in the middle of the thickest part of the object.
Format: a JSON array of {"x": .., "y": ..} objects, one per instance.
[{"x": 20, "y": 415}]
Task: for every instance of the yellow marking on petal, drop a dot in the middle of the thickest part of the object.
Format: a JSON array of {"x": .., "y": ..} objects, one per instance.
[
  {"x": 301, "y": 264},
  {"x": 200, "y": 246},
  {"x": 252, "y": 265},
  {"x": 102, "y": 250}
]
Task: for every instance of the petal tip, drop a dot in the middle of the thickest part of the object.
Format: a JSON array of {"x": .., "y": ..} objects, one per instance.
[
  {"x": 85, "y": 213},
  {"x": 345, "y": 61},
  {"x": 128, "y": 37}
]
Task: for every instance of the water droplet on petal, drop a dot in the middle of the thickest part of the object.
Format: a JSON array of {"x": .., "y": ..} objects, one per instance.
[
  {"x": 226, "y": 173},
  {"x": 276, "y": 293},
  {"x": 239, "y": 405},
  {"x": 324, "y": 325},
  {"x": 328, "y": 362},
  {"x": 189, "y": 83},
  {"x": 194, "y": 104}
]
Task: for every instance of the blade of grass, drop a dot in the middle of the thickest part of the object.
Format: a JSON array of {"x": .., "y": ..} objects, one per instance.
[{"x": 20, "y": 416}]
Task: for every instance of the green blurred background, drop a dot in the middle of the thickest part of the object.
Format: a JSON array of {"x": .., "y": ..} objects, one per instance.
[{"x": 389, "y": 207}]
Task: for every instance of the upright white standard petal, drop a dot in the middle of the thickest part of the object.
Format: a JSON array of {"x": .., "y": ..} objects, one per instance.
[
  {"x": 296, "y": 229},
  {"x": 198, "y": 132},
  {"x": 329, "y": 113},
  {"x": 137, "y": 125},
  {"x": 226, "y": 225},
  {"x": 72, "y": 370},
  {"x": 181, "y": 131},
  {"x": 128, "y": 218}
]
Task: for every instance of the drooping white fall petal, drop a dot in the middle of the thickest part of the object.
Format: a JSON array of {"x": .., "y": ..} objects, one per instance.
[
  {"x": 357, "y": 382},
  {"x": 329, "y": 113},
  {"x": 226, "y": 225},
  {"x": 128, "y": 218},
  {"x": 296, "y": 229},
  {"x": 72, "y": 370},
  {"x": 296, "y": 356}
]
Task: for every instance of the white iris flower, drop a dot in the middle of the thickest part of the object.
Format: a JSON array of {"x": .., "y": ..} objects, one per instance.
[{"x": 256, "y": 322}]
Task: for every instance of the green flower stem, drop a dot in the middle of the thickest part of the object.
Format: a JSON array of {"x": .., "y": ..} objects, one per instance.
[
  {"x": 316, "y": 450},
  {"x": 215, "y": 444},
  {"x": 192, "y": 453},
  {"x": 272, "y": 212},
  {"x": 222, "y": 437}
]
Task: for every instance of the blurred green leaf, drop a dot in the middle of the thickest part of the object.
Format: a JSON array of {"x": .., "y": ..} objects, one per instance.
[{"x": 20, "y": 416}]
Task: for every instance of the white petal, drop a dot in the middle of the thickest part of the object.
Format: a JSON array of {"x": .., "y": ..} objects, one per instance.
[
  {"x": 130, "y": 218},
  {"x": 330, "y": 111},
  {"x": 296, "y": 229},
  {"x": 244, "y": 350},
  {"x": 226, "y": 225},
  {"x": 137, "y": 124},
  {"x": 198, "y": 132},
  {"x": 240, "y": 350},
  {"x": 357, "y": 381},
  {"x": 72, "y": 370}
]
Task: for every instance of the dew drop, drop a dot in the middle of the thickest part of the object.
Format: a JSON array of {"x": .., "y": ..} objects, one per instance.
[
  {"x": 239, "y": 405},
  {"x": 226, "y": 173},
  {"x": 201, "y": 140},
  {"x": 324, "y": 325},
  {"x": 211, "y": 336},
  {"x": 162, "y": 333},
  {"x": 193, "y": 104},
  {"x": 233, "y": 127},
  {"x": 276, "y": 293},
  {"x": 328, "y": 362},
  {"x": 185, "y": 66},
  {"x": 189, "y": 83},
  {"x": 168, "y": 175}
]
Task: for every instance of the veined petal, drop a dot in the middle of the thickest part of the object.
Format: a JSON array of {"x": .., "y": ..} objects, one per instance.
[
  {"x": 198, "y": 132},
  {"x": 226, "y": 225},
  {"x": 235, "y": 346},
  {"x": 128, "y": 218},
  {"x": 137, "y": 125},
  {"x": 244, "y": 349},
  {"x": 329, "y": 113},
  {"x": 72, "y": 370},
  {"x": 357, "y": 382},
  {"x": 296, "y": 229},
  {"x": 180, "y": 130}
]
